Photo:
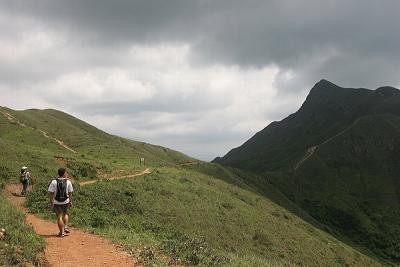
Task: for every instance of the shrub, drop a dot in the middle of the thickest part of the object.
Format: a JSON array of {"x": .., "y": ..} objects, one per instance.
[{"x": 82, "y": 169}]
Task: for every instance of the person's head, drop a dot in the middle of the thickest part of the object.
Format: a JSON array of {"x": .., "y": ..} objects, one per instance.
[
  {"x": 24, "y": 169},
  {"x": 61, "y": 172}
]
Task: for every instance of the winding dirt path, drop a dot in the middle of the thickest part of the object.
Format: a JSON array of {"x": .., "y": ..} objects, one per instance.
[
  {"x": 77, "y": 249},
  {"x": 146, "y": 171}
]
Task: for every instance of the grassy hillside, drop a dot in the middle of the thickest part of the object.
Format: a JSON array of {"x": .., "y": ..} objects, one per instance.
[
  {"x": 199, "y": 219},
  {"x": 184, "y": 212},
  {"x": 22, "y": 142},
  {"x": 337, "y": 158},
  {"x": 30, "y": 138},
  {"x": 353, "y": 184}
]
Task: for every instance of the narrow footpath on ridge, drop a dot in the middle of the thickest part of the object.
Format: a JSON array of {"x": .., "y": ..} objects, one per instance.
[{"x": 78, "y": 248}]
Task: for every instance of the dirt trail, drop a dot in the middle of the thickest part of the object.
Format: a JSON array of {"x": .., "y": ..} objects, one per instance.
[
  {"x": 77, "y": 249},
  {"x": 11, "y": 118},
  {"x": 146, "y": 171},
  {"x": 312, "y": 149},
  {"x": 309, "y": 153}
]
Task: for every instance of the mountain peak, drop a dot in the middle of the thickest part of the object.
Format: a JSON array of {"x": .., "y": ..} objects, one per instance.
[
  {"x": 323, "y": 91},
  {"x": 323, "y": 85},
  {"x": 324, "y": 82}
]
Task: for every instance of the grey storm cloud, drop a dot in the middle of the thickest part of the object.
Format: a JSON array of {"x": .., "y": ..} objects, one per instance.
[
  {"x": 89, "y": 51},
  {"x": 359, "y": 37}
]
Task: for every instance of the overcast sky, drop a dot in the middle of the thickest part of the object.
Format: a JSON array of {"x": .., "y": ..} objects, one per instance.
[{"x": 200, "y": 76}]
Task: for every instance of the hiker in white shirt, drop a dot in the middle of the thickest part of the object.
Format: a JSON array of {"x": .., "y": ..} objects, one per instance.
[{"x": 60, "y": 193}]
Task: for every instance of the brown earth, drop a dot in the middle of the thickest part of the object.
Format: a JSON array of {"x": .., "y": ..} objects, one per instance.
[
  {"x": 146, "y": 171},
  {"x": 78, "y": 248}
]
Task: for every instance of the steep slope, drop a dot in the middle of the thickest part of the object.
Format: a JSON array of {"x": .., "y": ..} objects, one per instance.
[
  {"x": 337, "y": 157},
  {"x": 352, "y": 183},
  {"x": 197, "y": 213},
  {"x": 327, "y": 110},
  {"x": 43, "y": 139}
]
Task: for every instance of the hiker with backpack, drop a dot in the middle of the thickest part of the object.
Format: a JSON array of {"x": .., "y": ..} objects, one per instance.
[
  {"x": 25, "y": 178},
  {"x": 60, "y": 192}
]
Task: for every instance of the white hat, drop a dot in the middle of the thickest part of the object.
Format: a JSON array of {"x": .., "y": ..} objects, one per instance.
[{"x": 24, "y": 168}]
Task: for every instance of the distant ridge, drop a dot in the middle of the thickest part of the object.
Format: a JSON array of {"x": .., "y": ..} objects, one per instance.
[
  {"x": 338, "y": 158},
  {"x": 327, "y": 110}
]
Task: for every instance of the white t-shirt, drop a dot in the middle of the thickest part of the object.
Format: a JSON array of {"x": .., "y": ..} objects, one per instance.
[{"x": 53, "y": 189}]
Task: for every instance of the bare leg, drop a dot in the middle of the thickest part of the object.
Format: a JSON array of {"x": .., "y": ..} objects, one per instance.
[
  {"x": 60, "y": 222},
  {"x": 65, "y": 219}
]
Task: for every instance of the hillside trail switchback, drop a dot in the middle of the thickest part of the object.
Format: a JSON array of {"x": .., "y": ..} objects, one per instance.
[{"x": 77, "y": 249}]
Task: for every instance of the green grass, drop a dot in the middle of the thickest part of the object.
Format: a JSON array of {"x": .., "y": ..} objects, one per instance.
[
  {"x": 203, "y": 214},
  {"x": 20, "y": 245},
  {"x": 98, "y": 153},
  {"x": 198, "y": 219}
]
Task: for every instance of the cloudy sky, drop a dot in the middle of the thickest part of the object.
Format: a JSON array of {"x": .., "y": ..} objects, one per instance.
[{"x": 199, "y": 76}]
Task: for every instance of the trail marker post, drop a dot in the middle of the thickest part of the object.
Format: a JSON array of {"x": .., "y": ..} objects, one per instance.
[{"x": 142, "y": 162}]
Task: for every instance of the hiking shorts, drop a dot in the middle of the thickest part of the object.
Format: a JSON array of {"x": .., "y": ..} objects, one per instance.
[{"x": 62, "y": 208}]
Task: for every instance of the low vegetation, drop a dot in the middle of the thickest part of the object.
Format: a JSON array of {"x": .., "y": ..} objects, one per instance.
[
  {"x": 191, "y": 214},
  {"x": 19, "y": 245},
  {"x": 198, "y": 219}
]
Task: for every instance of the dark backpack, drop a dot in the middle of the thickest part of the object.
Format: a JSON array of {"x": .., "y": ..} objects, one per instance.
[
  {"x": 23, "y": 178},
  {"x": 61, "y": 194}
]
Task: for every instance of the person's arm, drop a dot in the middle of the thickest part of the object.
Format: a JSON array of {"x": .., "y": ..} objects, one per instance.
[
  {"x": 30, "y": 178},
  {"x": 70, "y": 191},
  {"x": 51, "y": 197},
  {"x": 70, "y": 199},
  {"x": 51, "y": 194}
]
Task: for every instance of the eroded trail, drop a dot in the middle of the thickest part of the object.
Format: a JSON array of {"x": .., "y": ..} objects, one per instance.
[
  {"x": 77, "y": 249},
  {"x": 309, "y": 153},
  {"x": 12, "y": 119},
  {"x": 312, "y": 149},
  {"x": 146, "y": 171}
]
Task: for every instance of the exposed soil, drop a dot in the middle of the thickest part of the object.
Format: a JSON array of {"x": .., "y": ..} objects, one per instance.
[
  {"x": 77, "y": 249},
  {"x": 146, "y": 171}
]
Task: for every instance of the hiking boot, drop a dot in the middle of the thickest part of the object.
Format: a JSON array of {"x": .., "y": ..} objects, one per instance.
[
  {"x": 66, "y": 230},
  {"x": 61, "y": 234}
]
